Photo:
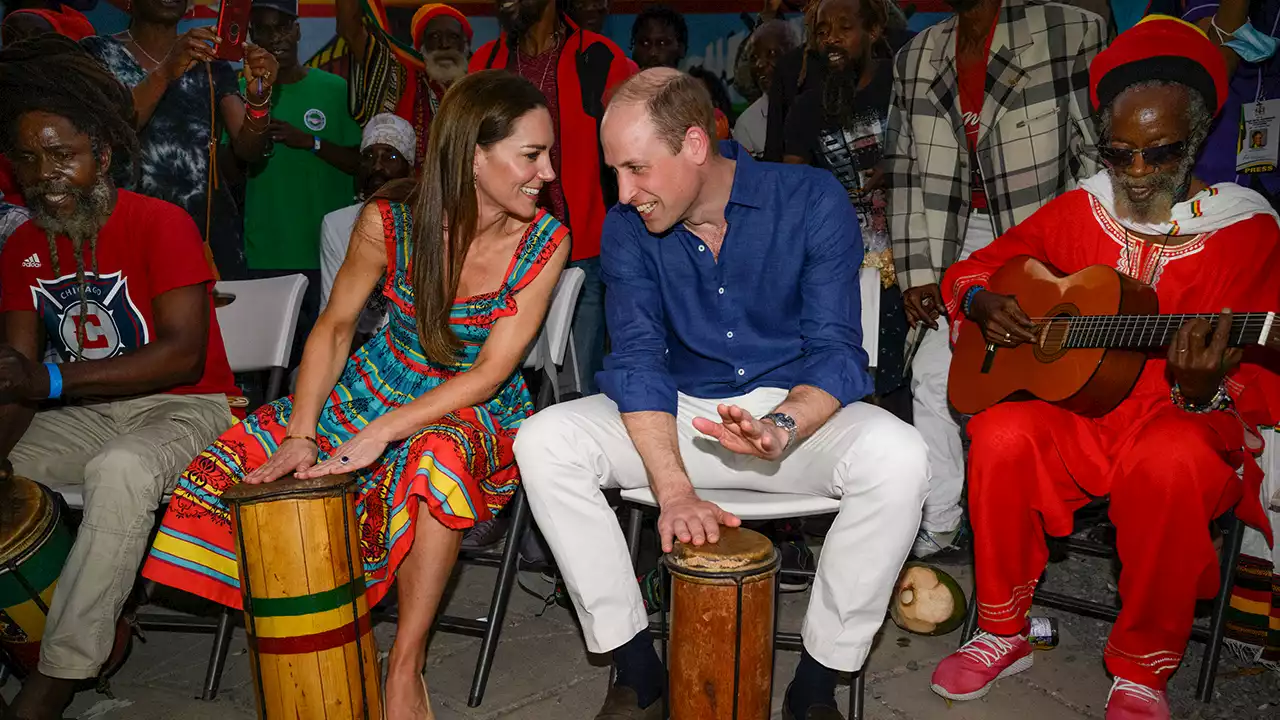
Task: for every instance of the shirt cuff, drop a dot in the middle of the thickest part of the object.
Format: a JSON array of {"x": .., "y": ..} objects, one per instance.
[
  {"x": 842, "y": 375},
  {"x": 639, "y": 390}
]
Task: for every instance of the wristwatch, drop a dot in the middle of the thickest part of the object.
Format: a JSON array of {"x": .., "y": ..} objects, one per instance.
[
  {"x": 315, "y": 147},
  {"x": 786, "y": 422}
]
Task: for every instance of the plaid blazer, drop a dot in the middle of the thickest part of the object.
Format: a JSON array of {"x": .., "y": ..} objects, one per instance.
[{"x": 1036, "y": 135}]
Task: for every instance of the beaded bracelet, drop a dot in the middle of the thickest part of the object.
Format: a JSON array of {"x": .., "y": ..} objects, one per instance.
[
  {"x": 302, "y": 437},
  {"x": 967, "y": 302},
  {"x": 1221, "y": 400}
]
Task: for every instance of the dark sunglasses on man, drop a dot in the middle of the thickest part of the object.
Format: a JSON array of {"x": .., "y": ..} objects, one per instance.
[{"x": 1159, "y": 155}]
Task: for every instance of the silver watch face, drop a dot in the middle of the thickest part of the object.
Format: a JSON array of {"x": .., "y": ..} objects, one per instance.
[{"x": 783, "y": 421}]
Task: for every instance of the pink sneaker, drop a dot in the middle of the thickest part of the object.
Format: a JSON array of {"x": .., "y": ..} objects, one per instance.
[
  {"x": 968, "y": 673},
  {"x": 1130, "y": 701}
]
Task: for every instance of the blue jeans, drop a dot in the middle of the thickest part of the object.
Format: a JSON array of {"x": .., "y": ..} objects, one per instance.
[{"x": 589, "y": 336}]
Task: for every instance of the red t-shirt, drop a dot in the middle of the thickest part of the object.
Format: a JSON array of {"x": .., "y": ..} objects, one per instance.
[
  {"x": 973, "y": 92},
  {"x": 147, "y": 248}
]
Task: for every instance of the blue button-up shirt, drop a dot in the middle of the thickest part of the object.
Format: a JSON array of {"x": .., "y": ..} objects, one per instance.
[{"x": 780, "y": 308}]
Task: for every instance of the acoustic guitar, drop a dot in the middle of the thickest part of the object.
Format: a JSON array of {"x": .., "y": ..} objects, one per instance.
[{"x": 1094, "y": 331}]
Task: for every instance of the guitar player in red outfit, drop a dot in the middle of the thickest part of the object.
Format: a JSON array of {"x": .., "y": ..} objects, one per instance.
[{"x": 1178, "y": 451}]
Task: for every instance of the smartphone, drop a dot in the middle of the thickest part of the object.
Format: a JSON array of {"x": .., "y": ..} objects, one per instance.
[{"x": 233, "y": 29}]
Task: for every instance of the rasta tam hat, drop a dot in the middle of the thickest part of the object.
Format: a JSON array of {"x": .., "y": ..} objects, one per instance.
[
  {"x": 431, "y": 11},
  {"x": 1159, "y": 47}
]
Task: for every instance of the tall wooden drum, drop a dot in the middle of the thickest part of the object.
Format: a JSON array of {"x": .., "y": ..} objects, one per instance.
[
  {"x": 312, "y": 654},
  {"x": 34, "y": 544},
  {"x": 720, "y": 656}
]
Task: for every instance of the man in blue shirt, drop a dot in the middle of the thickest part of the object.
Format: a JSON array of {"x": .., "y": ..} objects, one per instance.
[{"x": 733, "y": 304}]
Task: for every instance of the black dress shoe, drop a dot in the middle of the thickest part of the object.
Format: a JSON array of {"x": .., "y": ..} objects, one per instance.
[
  {"x": 622, "y": 704},
  {"x": 815, "y": 712}
]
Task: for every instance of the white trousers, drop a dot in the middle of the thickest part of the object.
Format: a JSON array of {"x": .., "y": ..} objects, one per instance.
[
  {"x": 874, "y": 463},
  {"x": 932, "y": 414}
]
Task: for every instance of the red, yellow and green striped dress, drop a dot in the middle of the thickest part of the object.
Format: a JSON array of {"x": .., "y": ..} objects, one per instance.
[{"x": 462, "y": 466}]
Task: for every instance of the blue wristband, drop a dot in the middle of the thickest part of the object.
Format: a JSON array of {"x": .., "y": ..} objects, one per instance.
[
  {"x": 967, "y": 302},
  {"x": 55, "y": 380}
]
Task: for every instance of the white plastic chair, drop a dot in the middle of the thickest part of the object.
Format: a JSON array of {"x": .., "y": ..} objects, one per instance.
[
  {"x": 554, "y": 342},
  {"x": 752, "y": 505},
  {"x": 259, "y": 323}
]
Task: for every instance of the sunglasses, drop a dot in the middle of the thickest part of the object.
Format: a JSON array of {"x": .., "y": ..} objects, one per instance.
[{"x": 1160, "y": 155}]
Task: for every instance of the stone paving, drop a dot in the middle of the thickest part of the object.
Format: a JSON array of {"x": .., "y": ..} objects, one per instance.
[{"x": 543, "y": 670}]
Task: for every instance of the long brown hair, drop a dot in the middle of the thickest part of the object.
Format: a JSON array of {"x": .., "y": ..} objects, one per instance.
[{"x": 478, "y": 111}]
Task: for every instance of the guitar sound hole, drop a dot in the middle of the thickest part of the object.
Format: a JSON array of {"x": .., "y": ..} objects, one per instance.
[{"x": 1051, "y": 336}]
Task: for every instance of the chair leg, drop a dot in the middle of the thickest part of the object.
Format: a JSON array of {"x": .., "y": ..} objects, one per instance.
[
  {"x": 1218, "y": 622},
  {"x": 635, "y": 517},
  {"x": 275, "y": 381},
  {"x": 520, "y": 522},
  {"x": 856, "y": 694},
  {"x": 218, "y": 656},
  {"x": 970, "y": 625}
]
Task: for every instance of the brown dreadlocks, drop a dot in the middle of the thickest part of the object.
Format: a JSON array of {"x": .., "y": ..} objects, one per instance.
[{"x": 52, "y": 74}]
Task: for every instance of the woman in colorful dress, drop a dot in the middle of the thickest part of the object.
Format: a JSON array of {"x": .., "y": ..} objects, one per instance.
[{"x": 425, "y": 414}]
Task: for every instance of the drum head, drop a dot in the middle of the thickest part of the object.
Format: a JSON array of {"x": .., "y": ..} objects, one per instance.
[
  {"x": 738, "y": 552},
  {"x": 26, "y": 513},
  {"x": 287, "y": 487}
]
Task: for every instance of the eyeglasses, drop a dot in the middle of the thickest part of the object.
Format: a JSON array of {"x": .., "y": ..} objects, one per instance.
[{"x": 1159, "y": 155}]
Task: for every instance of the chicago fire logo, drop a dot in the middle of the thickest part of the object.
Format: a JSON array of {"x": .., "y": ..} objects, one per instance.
[{"x": 112, "y": 323}]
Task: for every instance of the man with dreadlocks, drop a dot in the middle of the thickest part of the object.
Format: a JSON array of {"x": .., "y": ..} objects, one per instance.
[
  {"x": 1176, "y": 453},
  {"x": 118, "y": 283},
  {"x": 839, "y": 126}
]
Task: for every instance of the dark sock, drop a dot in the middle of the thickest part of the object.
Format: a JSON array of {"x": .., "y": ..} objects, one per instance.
[
  {"x": 639, "y": 668},
  {"x": 814, "y": 684}
]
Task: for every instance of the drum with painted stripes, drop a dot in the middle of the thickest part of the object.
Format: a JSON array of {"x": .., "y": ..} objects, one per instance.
[
  {"x": 312, "y": 654},
  {"x": 34, "y": 544}
]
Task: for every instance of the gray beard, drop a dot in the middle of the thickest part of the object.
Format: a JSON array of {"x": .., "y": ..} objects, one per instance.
[
  {"x": 93, "y": 209},
  {"x": 1157, "y": 208},
  {"x": 446, "y": 73}
]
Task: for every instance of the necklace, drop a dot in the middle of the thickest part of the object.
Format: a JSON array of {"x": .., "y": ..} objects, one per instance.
[
  {"x": 555, "y": 43},
  {"x": 129, "y": 39}
]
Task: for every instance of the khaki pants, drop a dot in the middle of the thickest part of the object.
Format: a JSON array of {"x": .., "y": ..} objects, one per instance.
[
  {"x": 874, "y": 463},
  {"x": 124, "y": 455}
]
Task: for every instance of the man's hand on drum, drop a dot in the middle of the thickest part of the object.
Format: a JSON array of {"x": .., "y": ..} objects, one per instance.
[
  {"x": 690, "y": 519},
  {"x": 1002, "y": 321},
  {"x": 293, "y": 456},
  {"x": 743, "y": 434},
  {"x": 21, "y": 378},
  {"x": 923, "y": 304},
  {"x": 359, "y": 452}
]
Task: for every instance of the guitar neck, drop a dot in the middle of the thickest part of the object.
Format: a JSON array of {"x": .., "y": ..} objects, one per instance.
[{"x": 1141, "y": 332}]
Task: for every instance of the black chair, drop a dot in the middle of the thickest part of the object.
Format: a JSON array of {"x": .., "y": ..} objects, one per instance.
[{"x": 1233, "y": 535}]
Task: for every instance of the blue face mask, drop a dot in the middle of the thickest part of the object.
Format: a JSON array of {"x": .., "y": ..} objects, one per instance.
[{"x": 1252, "y": 46}]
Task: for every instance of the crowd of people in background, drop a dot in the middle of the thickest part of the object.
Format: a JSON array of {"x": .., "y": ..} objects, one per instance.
[{"x": 947, "y": 144}]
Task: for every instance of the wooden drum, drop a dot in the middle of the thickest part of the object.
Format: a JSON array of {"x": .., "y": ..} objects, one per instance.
[
  {"x": 722, "y": 610},
  {"x": 34, "y": 544},
  {"x": 312, "y": 654}
]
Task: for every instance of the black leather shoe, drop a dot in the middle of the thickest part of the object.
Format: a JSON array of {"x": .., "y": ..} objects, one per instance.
[
  {"x": 815, "y": 712},
  {"x": 622, "y": 704}
]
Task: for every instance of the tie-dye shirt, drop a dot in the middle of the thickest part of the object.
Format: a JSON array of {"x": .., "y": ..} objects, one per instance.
[{"x": 175, "y": 143}]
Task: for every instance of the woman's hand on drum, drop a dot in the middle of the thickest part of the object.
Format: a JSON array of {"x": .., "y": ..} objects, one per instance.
[
  {"x": 293, "y": 456},
  {"x": 690, "y": 519},
  {"x": 357, "y": 453},
  {"x": 740, "y": 432}
]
